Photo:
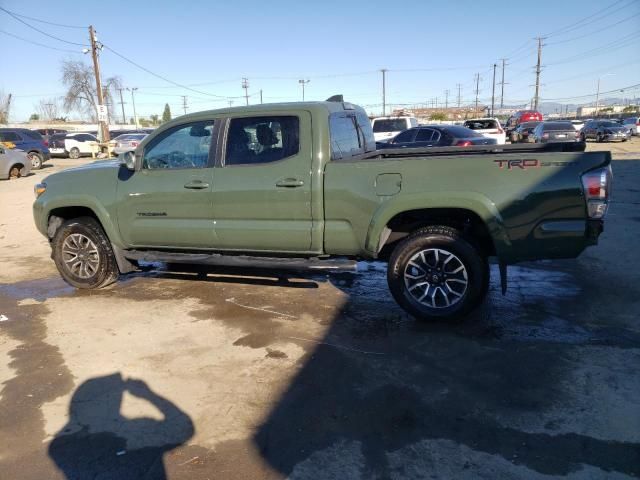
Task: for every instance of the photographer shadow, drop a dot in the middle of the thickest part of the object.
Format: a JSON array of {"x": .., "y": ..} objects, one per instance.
[{"x": 99, "y": 442}]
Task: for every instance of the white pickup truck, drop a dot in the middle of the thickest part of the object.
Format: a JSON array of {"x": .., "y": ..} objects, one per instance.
[{"x": 385, "y": 128}]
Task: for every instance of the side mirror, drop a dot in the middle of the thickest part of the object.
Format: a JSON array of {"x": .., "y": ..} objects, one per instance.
[{"x": 128, "y": 159}]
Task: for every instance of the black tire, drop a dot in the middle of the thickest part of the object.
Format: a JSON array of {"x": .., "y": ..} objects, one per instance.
[
  {"x": 583, "y": 137},
  {"x": 74, "y": 153},
  {"x": 36, "y": 160},
  {"x": 15, "y": 171},
  {"x": 106, "y": 270},
  {"x": 446, "y": 240},
  {"x": 599, "y": 138}
]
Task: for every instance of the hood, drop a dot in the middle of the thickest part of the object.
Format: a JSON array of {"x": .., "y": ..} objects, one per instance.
[
  {"x": 99, "y": 168},
  {"x": 98, "y": 164}
]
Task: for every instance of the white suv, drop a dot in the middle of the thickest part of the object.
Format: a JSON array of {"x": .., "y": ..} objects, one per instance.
[
  {"x": 632, "y": 124},
  {"x": 73, "y": 144},
  {"x": 487, "y": 127},
  {"x": 385, "y": 128}
]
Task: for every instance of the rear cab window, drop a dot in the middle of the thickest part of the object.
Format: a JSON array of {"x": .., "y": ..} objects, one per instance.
[
  {"x": 351, "y": 134},
  {"x": 481, "y": 124},
  {"x": 382, "y": 125}
]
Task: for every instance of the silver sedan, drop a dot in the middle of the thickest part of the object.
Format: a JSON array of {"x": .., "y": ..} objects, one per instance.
[
  {"x": 14, "y": 163},
  {"x": 127, "y": 142}
]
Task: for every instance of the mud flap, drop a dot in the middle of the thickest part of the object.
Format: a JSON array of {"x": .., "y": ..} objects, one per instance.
[{"x": 124, "y": 265}]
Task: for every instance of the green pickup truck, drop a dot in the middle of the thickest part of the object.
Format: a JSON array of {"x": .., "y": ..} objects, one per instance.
[{"x": 302, "y": 186}]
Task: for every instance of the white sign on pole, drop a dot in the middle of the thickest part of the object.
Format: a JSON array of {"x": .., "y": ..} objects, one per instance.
[{"x": 103, "y": 114}]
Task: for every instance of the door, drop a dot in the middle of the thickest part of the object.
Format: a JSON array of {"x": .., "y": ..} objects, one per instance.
[
  {"x": 167, "y": 203},
  {"x": 262, "y": 186},
  {"x": 427, "y": 137},
  {"x": 404, "y": 139}
]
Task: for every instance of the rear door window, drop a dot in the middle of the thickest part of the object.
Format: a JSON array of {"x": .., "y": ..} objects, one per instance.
[
  {"x": 256, "y": 140},
  {"x": 425, "y": 135},
  {"x": 405, "y": 137}
]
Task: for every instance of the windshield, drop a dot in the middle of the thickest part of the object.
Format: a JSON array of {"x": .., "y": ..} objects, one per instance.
[
  {"x": 551, "y": 126},
  {"x": 389, "y": 125},
  {"x": 481, "y": 124}
]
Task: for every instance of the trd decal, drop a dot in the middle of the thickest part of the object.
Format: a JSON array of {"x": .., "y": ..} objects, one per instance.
[
  {"x": 152, "y": 214},
  {"x": 526, "y": 163}
]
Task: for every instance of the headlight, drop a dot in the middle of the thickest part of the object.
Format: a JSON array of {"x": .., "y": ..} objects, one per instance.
[{"x": 39, "y": 189}]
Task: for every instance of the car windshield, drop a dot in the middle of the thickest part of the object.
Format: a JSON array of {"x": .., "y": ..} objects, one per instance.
[
  {"x": 389, "y": 125},
  {"x": 462, "y": 132},
  {"x": 551, "y": 126},
  {"x": 481, "y": 124}
]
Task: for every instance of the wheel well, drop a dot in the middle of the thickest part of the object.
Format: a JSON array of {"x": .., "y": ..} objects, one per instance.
[
  {"x": 58, "y": 216},
  {"x": 468, "y": 222}
]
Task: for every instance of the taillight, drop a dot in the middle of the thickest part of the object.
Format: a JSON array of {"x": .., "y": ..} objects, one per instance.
[
  {"x": 45, "y": 143},
  {"x": 597, "y": 186},
  {"x": 134, "y": 144},
  {"x": 463, "y": 143},
  {"x": 545, "y": 135}
]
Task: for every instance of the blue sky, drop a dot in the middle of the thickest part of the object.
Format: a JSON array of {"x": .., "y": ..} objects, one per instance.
[{"x": 428, "y": 47}]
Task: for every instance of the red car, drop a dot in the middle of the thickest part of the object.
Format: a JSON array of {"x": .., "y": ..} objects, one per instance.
[{"x": 519, "y": 117}]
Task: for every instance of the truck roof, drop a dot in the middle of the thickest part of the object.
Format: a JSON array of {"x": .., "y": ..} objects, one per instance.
[{"x": 325, "y": 107}]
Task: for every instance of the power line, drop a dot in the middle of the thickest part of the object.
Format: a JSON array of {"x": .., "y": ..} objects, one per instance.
[
  {"x": 594, "y": 31},
  {"x": 43, "y": 21},
  {"x": 621, "y": 42},
  {"x": 615, "y": 90},
  {"x": 39, "y": 44},
  {"x": 581, "y": 23},
  {"x": 41, "y": 31},
  {"x": 161, "y": 77}
]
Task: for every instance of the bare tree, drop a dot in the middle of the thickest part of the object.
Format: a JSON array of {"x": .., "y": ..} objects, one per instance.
[
  {"x": 50, "y": 108},
  {"x": 81, "y": 94},
  {"x": 5, "y": 104}
]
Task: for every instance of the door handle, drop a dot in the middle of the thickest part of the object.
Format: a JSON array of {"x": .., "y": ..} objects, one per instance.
[
  {"x": 196, "y": 185},
  {"x": 289, "y": 183}
]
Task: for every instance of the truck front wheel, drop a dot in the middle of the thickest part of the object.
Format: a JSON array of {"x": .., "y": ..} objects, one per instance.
[
  {"x": 82, "y": 253},
  {"x": 435, "y": 274}
]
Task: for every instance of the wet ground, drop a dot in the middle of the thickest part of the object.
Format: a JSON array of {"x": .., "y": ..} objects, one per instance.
[{"x": 250, "y": 375}]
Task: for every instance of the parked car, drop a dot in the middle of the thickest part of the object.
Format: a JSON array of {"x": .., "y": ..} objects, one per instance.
[
  {"x": 29, "y": 141},
  {"x": 48, "y": 132},
  {"x": 632, "y": 123},
  {"x": 316, "y": 194},
  {"x": 604, "y": 131},
  {"x": 437, "y": 136},
  {"x": 577, "y": 124},
  {"x": 13, "y": 163},
  {"x": 522, "y": 133},
  {"x": 73, "y": 145},
  {"x": 128, "y": 142},
  {"x": 554, "y": 132},
  {"x": 522, "y": 116},
  {"x": 488, "y": 127},
  {"x": 385, "y": 128}
]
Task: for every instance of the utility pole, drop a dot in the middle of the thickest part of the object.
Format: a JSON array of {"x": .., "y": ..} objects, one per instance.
[
  {"x": 504, "y": 60},
  {"x": 493, "y": 90},
  {"x": 96, "y": 69},
  {"x": 245, "y": 85},
  {"x": 475, "y": 111},
  {"x": 446, "y": 99},
  {"x": 260, "y": 96},
  {"x": 133, "y": 101},
  {"x": 184, "y": 103},
  {"x": 384, "y": 91},
  {"x": 124, "y": 118},
  {"x": 303, "y": 83},
  {"x": 230, "y": 103},
  {"x": 436, "y": 102},
  {"x": 459, "y": 94},
  {"x": 597, "y": 96},
  {"x": 537, "y": 96}
]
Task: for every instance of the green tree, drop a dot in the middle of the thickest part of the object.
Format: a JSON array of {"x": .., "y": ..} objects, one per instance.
[
  {"x": 630, "y": 109},
  {"x": 166, "y": 115},
  {"x": 34, "y": 117},
  {"x": 155, "y": 119},
  {"x": 438, "y": 116}
]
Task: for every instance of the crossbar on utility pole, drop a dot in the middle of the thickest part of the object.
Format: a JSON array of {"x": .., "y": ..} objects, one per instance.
[
  {"x": 96, "y": 70},
  {"x": 184, "y": 104},
  {"x": 245, "y": 85}
]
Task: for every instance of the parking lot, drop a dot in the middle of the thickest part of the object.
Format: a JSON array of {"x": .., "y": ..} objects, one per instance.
[{"x": 228, "y": 374}]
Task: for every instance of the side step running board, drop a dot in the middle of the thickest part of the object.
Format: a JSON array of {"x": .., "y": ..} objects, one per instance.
[{"x": 245, "y": 261}]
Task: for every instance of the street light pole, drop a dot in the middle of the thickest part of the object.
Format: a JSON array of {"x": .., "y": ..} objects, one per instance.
[
  {"x": 133, "y": 101},
  {"x": 303, "y": 83}
]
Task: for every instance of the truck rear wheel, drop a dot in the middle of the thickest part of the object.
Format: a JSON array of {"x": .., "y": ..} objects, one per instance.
[
  {"x": 435, "y": 274},
  {"x": 82, "y": 253}
]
